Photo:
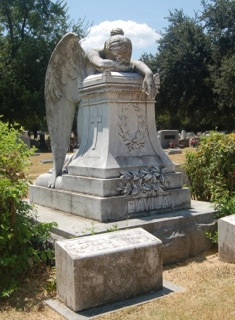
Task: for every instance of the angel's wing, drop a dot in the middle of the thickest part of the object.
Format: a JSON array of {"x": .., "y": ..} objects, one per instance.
[{"x": 64, "y": 76}]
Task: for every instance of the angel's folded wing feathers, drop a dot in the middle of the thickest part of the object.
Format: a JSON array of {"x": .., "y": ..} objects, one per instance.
[{"x": 64, "y": 76}]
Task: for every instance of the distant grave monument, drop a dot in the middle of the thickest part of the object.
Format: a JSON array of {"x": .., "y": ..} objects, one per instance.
[
  {"x": 24, "y": 136},
  {"x": 120, "y": 169},
  {"x": 167, "y": 137}
]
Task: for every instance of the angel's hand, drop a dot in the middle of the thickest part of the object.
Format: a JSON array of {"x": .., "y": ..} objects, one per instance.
[{"x": 149, "y": 86}]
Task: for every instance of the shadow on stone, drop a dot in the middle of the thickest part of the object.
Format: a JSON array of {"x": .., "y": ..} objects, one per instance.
[{"x": 168, "y": 287}]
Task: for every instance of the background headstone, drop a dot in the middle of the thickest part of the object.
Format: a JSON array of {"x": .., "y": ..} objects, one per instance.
[
  {"x": 166, "y": 137},
  {"x": 226, "y": 238}
]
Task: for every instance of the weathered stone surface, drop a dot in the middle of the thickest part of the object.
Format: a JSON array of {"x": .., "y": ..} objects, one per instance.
[
  {"x": 113, "y": 208},
  {"x": 119, "y": 130},
  {"x": 101, "y": 269},
  {"x": 182, "y": 232},
  {"x": 98, "y": 186},
  {"x": 226, "y": 241}
]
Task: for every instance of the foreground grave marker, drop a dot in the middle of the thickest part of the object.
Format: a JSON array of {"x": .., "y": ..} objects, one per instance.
[{"x": 105, "y": 268}]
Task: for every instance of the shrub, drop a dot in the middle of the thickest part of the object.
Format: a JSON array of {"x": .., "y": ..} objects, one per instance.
[
  {"x": 23, "y": 243},
  {"x": 211, "y": 168},
  {"x": 211, "y": 172}
]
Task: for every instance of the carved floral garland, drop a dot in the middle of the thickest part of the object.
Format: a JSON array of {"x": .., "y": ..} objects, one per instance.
[
  {"x": 138, "y": 141},
  {"x": 150, "y": 181}
]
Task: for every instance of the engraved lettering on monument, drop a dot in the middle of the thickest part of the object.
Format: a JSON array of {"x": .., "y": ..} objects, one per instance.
[
  {"x": 149, "y": 204},
  {"x": 133, "y": 139},
  {"x": 95, "y": 120}
]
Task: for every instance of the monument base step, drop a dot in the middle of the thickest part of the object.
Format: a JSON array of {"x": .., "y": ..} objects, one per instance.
[
  {"x": 98, "y": 186},
  {"x": 183, "y": 232},
  {"x": 106, "y": 209}
]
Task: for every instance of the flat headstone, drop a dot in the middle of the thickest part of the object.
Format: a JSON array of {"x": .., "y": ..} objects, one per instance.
[
  {"x": 47, "y": 160},
  {"x": 105, "y": 268},
  {"x": 226, "y": 240},
  {"x": 174, "y": 151}
]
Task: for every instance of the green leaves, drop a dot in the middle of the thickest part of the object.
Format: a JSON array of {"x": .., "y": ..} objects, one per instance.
[
  {"x": 195, "y": 60},
  {"x": 23, "y": 243},
  {"x": 29, "y": 32},
  {"x": 209, "y": 169}
]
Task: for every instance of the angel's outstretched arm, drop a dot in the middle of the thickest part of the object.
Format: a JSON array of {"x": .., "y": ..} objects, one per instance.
[
  {"x": 97, "y": 59},
  {"x": 94, "y": 56}
]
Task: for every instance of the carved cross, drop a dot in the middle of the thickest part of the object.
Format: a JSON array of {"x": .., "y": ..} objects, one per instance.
[{"x": 95, "y": 119}]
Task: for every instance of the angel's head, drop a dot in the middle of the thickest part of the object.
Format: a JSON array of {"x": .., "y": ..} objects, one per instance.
[{"x": 118, "y": 47}]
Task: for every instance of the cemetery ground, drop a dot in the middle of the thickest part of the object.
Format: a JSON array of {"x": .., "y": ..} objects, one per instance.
[
  {"x": 209, "y": 286},
  {"x": 209, "y": 295}
]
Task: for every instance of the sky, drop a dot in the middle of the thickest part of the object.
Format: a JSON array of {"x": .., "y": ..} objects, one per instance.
[{"x": 142, "y": 21}]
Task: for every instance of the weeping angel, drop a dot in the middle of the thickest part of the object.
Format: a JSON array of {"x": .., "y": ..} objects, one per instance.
[{"x": 69, "y": 65}]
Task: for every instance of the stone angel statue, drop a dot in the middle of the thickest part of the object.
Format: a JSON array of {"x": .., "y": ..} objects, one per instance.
[{"x": 68, "y": 66}]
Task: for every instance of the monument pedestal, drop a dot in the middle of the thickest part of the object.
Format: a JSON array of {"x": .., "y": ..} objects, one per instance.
[{"x": 120, "y": 170}]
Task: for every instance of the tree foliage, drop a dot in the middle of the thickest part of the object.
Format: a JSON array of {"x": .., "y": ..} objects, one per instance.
[
  {"x": 29, "y": 31},
  {"x": 218, "y": 17},
  {"x": 196, "y": 65}
]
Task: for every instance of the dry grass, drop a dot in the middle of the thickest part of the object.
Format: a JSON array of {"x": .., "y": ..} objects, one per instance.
[
  {"x": 37, "y": 166},
  {"x": 180, "y": 158},
  {"x": 209, "y": 295}
]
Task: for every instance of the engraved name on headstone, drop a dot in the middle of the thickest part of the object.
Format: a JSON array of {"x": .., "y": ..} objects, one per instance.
[
  {"x": 107, "y": 242},
  {"x": 148, "y": 204}
]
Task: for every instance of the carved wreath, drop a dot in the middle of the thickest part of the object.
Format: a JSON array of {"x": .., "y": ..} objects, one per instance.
[
  {"x": 136, "y": 142},
  {"x": 146, "y": 181}
]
